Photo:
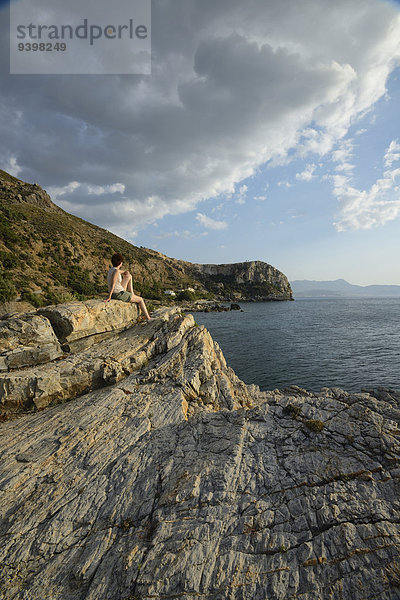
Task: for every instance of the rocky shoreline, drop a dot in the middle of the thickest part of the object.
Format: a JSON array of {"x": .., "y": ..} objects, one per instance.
[
  {"x": 210, "y": 306},
  {"x": 149, "y": 470}
]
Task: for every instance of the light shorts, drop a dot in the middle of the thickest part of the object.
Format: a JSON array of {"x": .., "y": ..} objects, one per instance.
[{"x": 124, "y": 296}]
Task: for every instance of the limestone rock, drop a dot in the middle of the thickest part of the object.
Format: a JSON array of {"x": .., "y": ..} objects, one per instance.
[
  {"x": 253, "y": 279},
  {"x": 102, "y": 364},
  {"x": 80, "y": 324},
  {"x": 27, "y": 340},
  {"x": 180, "y": 481}
]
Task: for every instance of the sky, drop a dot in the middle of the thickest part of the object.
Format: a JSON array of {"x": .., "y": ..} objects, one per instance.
[{"x": 267, "y": 130}]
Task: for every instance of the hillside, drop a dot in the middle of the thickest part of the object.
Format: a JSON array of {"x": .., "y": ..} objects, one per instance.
[
  {"x": 342, "y": 289},
  {"x": 50, "y": 256}
]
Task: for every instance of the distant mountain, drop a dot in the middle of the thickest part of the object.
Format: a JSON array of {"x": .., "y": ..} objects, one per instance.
[{"x": 341, "y": 288}]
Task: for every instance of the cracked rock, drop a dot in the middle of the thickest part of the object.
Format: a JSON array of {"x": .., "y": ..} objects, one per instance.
[{"x": 179, "y": 481}]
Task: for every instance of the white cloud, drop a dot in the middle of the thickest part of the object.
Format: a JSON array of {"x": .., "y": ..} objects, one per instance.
[
  {"x": 392, "y": 154},
  {"x": 91, "y": 190},
  {"x": 343, "y": 155},
  {"x": 12, "y": 167},
  {"x": 241, "y": 197},
  {"x": 285, "y": 184},
  {"x": 260, "y": 198},
  {"x": 209, "y": 223},
  {"x": 313, "y": 141},
  {"x": 185, "y": 235},
  {"x": 70, "y": 188},
  {"x": 99, "y": 190},
  {"x": 242, "y": 84},
  {"x": 307, "y": 174},
  {"x": 365, "y": 209}
]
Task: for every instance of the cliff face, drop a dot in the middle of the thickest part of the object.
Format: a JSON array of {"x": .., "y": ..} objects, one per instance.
[
  {"x": 252, "y": 279},
  {"x": 176, "y": 480}
]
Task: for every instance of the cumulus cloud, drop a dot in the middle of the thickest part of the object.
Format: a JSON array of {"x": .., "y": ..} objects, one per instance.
[
  {"x": 307, "y": 174},
  {"x": 234, "y": 85},
  {"x": 209, "y": 223},
  {"x": 365, "y": 209}
]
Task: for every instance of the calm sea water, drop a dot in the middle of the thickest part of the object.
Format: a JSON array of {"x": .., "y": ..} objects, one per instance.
[{"x": 349, "y": 343}]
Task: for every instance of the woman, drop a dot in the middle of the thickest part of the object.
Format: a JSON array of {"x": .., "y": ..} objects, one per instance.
[{"x": 119, "y": 282}]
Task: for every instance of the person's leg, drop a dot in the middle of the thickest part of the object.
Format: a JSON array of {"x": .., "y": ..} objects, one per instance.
[
  {"x": 127, "y": 281},
  {"x": 140, "y": 301}
]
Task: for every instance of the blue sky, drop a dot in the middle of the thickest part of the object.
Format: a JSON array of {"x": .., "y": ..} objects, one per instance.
[
  {"x": 290, "y": 221},
  {"x": 267, "y": 130}
]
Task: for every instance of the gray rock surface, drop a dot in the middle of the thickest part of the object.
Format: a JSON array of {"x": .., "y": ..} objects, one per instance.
[
  {"x": 99, "y": 365},
  {"x": 180, "y": 481},
  {"x": 78, "y": 325},
  {"x": 26, "y": 340}
]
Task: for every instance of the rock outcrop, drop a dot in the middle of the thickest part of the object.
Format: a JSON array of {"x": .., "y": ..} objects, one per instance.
[
  {"x": 179, "y": 481},
  {"x": 37, "y": 370},
  {"x": 27, "y": 340},
  {"x": 20, "y": 192},
  {"x": 79, "y": 325},
  {"x": 254, "y": 280}
]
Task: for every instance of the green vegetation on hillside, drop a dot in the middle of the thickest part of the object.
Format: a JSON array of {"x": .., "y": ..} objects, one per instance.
[{"x": 49, "y": 256}]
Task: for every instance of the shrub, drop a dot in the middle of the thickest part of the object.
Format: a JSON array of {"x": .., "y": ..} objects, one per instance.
[
  {"x": 9, "y": 260},
  {"x": 35, "y": 299},
  {"x": 292, "y": 410},
  {"x": 56, "y": 297},
  {"x": 315, "y": 425},
  {"x": 78, "y": 280},
  {"x": 8, "y": 236},
  {"x": 7, "y": 289},
  {"x": 186, "y": 295}
]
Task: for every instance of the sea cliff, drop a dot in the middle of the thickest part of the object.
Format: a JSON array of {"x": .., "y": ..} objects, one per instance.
[
  {"x": 146, "y": 469},
  {"x": 250, "y": 280}
]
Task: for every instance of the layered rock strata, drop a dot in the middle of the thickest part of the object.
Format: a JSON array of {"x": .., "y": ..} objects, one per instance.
[
  {"x": 37, "y": 370},
  {"x": 27, "y": 340},
  {"x": 79, "y": 325},
  {"x": 180, "y": 481}
]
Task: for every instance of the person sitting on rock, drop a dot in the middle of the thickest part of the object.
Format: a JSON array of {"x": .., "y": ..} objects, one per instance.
[{"x": 119, "y": 282}]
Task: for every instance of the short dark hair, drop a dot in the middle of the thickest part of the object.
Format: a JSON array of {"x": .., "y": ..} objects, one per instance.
[{"x": 117, "y": 259}]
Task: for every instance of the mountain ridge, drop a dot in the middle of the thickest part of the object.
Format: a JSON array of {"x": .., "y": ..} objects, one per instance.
[
  {"x": 50, "y": 256},
  {"x": 341, "y": 288}
]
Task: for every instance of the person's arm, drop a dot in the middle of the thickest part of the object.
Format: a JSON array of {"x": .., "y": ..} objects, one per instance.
[{"x": 114, "y": 281}]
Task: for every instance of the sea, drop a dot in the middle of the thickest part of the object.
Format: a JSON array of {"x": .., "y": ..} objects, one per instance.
[{"x": 351, "y": 343}]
